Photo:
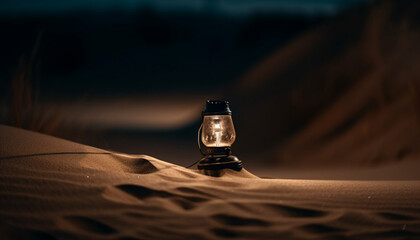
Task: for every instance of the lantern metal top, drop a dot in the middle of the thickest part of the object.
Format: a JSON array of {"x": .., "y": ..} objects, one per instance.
[{"x": 217, "y": 107}]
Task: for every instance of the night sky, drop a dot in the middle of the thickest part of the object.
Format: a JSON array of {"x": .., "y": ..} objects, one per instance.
[
  {"x": 230, "y": 7},
  {"x": 98, "y": 48}
]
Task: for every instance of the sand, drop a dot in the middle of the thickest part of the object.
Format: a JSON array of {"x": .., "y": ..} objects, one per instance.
[{"x": 55, "y": 189}]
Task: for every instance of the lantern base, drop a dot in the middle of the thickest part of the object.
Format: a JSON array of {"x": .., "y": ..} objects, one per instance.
[{"x": 216, "y": 163}]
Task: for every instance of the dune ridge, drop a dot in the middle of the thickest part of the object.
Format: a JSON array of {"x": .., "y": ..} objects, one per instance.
[
  {"x": 97, "y": 194},
  {"x": 342, "y": 94}
]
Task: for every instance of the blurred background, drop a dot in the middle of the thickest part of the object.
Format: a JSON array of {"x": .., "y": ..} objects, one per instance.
[{"x": 312, "y": 83}]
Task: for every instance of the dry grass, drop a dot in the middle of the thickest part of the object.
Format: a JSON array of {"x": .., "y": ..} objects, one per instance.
[{"x": 23, "y": 108}]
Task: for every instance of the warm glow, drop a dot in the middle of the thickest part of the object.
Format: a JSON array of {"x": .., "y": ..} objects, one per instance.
[{"x": 218, "y": 131}]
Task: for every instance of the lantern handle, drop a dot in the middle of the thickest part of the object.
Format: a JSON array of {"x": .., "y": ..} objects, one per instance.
[
  {"x": 198, "y": 140},
  {"x": 199, "y": 146}
]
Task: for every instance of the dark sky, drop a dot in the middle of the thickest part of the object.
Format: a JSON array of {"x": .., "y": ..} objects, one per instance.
[
  {"x": 131, "y": 46},
  {"x": 230, "y": 7}
]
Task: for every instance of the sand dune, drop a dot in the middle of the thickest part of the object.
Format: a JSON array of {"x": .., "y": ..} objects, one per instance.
[
  {"x": 345, "y": 93},
  {"x": 55, "y": 189},
  {"x": 151, "y": 112}
]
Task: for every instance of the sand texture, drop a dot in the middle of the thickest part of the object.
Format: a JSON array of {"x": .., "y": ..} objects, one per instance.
[{"x": 55, "y": 189}]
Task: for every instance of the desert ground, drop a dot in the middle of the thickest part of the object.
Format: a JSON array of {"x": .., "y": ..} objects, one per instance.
[{"x": 56, "y": 189}]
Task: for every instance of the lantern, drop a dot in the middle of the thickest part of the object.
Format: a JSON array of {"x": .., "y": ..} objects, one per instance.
[{"x": 217, "y": 134}]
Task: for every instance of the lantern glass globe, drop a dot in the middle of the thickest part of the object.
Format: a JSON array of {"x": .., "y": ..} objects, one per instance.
[{"x": 218, "y": 131}]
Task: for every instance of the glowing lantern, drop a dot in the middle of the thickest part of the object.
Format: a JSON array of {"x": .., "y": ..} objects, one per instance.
[{"x": 217, "y": 134}]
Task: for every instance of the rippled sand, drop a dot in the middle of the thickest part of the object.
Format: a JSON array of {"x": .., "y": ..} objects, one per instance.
[{"x": 55, "y": 189}]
